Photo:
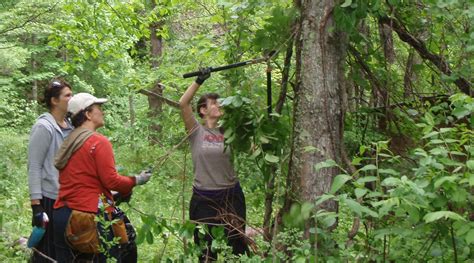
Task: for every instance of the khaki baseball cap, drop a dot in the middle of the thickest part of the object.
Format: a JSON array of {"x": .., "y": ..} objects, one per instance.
[{"x": 81, "y": 101}]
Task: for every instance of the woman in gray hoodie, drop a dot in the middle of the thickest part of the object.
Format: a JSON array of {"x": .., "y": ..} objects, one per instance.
[{"x": 47, "y": 135}]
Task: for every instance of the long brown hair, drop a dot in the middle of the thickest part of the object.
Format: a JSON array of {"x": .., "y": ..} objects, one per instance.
[
  {"x": 54, "y": 91},
  {"x": 202, "y": 102}
]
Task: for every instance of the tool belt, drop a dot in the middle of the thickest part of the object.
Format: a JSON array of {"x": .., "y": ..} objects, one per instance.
[{"x": 82, "y": 233}]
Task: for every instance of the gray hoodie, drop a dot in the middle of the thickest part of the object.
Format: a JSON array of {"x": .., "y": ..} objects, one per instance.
[{"x": 45, "y": 139}]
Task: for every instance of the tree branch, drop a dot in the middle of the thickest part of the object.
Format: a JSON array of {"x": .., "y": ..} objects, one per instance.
[
  {"x": 171, "y": 103},
  {"x": 439, "y": 61},
  {"x": 29, "y": 20}
]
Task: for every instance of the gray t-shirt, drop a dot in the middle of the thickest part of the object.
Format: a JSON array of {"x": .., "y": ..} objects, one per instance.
[{"x": 212, "y": 167}]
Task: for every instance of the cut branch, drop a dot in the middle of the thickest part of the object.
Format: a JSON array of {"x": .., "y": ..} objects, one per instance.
[
  {"x": 172, "y": 103},
  {"x": 439, "y": 61}
]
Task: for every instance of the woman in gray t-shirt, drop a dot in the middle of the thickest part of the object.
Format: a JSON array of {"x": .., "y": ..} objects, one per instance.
[{"x": 217, "y": 196}]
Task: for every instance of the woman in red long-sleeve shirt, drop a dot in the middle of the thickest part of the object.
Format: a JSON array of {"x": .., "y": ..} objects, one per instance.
[{"x": 87, "y": 172}]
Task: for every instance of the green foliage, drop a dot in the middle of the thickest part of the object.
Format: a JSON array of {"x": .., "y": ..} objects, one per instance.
[
  {"x": 249, "y": 130},
  {"x": 15, "y": 224},
  {"x": 431, "y": 196},
  {"x": 16, "y": 112},
  {"x": 415, "y": 204}
]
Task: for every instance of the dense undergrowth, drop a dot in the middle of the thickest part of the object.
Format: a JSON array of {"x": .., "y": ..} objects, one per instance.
[{"x": 404, "y": 208}]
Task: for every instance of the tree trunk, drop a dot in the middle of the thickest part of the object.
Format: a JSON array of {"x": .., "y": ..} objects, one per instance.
[
  {"x": 155, "y": 105},
  {"x": 386, "y": 40},
  {"x": 318, "y": 110}
]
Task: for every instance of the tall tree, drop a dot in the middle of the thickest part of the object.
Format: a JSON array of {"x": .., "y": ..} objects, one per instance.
[
  {"x": 156, "y": 51},
  {"x": 318, "y": 109}
]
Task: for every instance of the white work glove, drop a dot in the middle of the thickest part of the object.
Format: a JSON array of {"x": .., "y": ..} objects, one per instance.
[{"x": 143, "y": 177}]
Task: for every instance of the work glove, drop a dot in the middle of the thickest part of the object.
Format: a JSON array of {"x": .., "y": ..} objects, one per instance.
[
  {"x": 143, "y": 177},
  {"x": 205, "y": 73},
  {"x": 39, "y": 214},
  {"x": 119, "y": 198}
]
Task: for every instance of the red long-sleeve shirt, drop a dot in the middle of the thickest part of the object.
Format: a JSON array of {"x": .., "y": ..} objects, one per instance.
[{"x": 89, "y": 173}]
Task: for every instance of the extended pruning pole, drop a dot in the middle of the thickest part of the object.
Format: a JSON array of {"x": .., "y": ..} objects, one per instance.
[{"x": 235, "y": 65}]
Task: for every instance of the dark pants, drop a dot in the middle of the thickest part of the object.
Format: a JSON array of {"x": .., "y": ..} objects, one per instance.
[
  {"x": 64, "y": 253},
  {"x": 220, "y": 207},
  {"x": 46, "y": 245}
]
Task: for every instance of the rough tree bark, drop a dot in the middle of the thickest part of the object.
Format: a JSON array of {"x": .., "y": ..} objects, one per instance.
[
  {"x": 155, "y": 104},
  {"x": 383, "y": 99},
  {"x": 318, "y": 110},
  {"x": 410, "y": 76}
]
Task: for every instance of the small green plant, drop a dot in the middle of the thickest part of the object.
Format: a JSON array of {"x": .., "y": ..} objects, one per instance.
[{"x": 105, "y": 225}]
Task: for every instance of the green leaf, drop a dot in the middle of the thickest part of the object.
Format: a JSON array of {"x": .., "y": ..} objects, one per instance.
[
  {"x": 391, "y": 181},
  {"x": 444, "y": 130},
  {"x": 356, "y": 161},
  {"x": 359, "y": 209},
  {"x": 256, "y": 153},
  {"x": 431, "y": 134},
  {"x": 461, "y": 112},
  {"x": 470, "y": 164},
  {"x": 471, "y": 180},
  {"x": 338, "y": 182},
  {"x": 439, "y": 151},
  {"x": 368, "y": 167},
  {"x": 429, "y": 119},
  {"x": 306, "y": 209},
  {"x": 359, "y": 192},
  {"x": 434, "y": 216},
  {"x": 227, "y": 101},
  {"x": 346, "y": 3},
  {"x": 325, "y": 164},
  {"x": 412, "y": 112},
  {"x": 388, "y": 171},
  {"x": 237, "y": 102},
  {"x": 228, "y": 133},
  {"x": 444, "y": 179},
  {"x": 366, "y": 179},
  {"x": 470, "y": 237},
  {"x": 149, "y": 237},
  {"x": 271, "y": 158},
  {"x": 323, "y": 198}
]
